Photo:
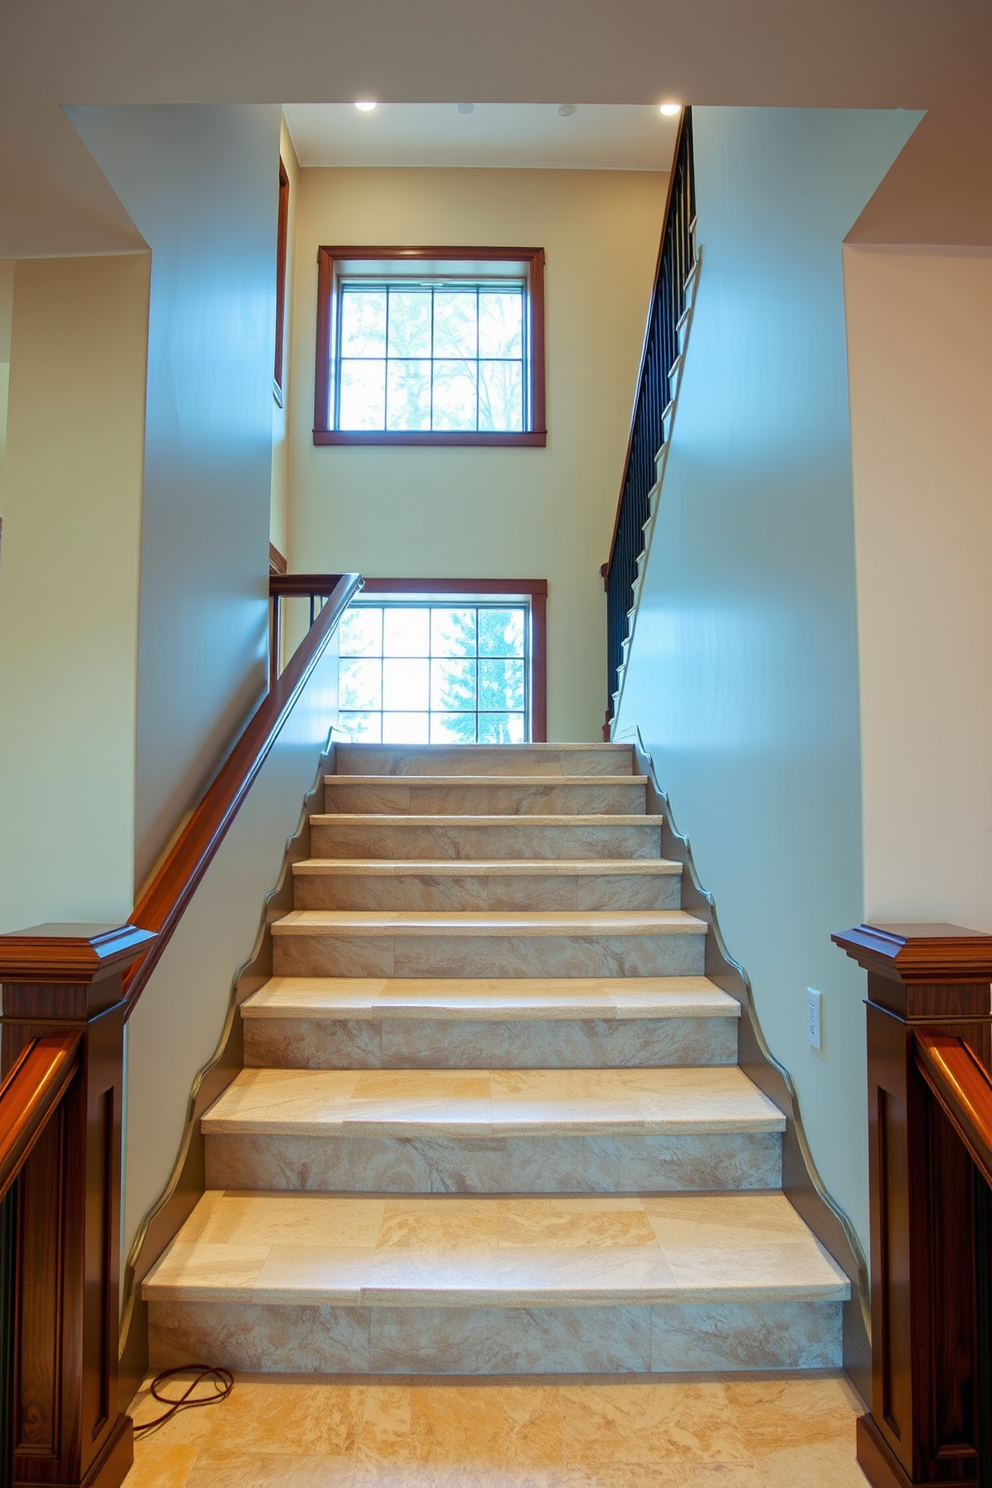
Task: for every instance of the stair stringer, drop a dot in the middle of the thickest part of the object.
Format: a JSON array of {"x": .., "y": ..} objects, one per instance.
[
  {"x": 187, "y": 1183},
  {"x": 801, "y": 1180}
]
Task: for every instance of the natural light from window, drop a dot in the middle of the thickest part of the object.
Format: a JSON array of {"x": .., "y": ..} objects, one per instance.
[
  {"x": 435, "y": 673},
  {"x": 431, "y": 357}
]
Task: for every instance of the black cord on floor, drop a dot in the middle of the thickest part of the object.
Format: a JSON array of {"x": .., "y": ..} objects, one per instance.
[{"x": 203, "y": 1374}]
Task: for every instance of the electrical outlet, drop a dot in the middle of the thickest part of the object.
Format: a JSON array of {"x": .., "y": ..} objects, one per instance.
[{"x": 813, "y": 1024}]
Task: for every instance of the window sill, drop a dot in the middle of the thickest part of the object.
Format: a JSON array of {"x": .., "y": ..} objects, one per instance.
[{"x": 530, "y": 438}]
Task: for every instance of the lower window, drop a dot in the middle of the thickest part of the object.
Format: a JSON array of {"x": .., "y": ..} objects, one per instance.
[{"x": 439, "y": 669}]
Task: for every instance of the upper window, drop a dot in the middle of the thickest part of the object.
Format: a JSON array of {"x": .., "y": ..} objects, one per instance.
[{"x": 430, "y": 346}]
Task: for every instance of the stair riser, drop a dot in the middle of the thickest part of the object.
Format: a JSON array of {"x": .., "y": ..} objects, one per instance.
[
  {"x": 527, "y": 892},
  {"x": 369, "y": 760},
  {"x": 660, "y": 1337},
  {"x": 557, "y": 798},
  {"x": 332, "y": 954},
  {"x": 462, "y": 841},
  {"x": 443, "y": 1043},
  {"x": 688, "y": 1163}
]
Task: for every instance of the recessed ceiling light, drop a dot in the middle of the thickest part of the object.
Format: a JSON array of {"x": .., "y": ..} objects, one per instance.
[
  {"x": 466, "y": 108},
  {"x": 567, "y": 109},
  {"x": 669, "y": 108},
  {"x": 366, "y": 105}
]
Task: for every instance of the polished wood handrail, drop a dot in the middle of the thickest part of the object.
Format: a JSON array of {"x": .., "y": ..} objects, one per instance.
[
  {"x": 161, "y": 907},
  {"x": 963, "y": 1090},
  {"x": 29, "y": 1095}
]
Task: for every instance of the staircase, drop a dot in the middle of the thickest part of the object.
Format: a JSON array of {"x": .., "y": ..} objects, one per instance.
[{"x": 491, "y": 1120}]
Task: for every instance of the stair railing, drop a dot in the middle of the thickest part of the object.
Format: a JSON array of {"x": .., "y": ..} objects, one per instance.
[
  {"x": 67, "y": 993},
  {"x": 930, "y": 1185},
  {"x": 653, "y": 397}
]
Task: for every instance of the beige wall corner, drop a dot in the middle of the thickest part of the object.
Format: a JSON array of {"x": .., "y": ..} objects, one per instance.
[
  {"x": 69, "y": 588},
  {"x": 485, "y": 513},
  {"x": 919, "y": 327}
]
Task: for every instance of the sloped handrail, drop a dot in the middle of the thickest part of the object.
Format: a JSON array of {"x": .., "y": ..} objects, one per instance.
[
  {"x": 963, "y": 1089},
  {"x": 29, "y": 1096},
  {"x": 161, "y": 906}
]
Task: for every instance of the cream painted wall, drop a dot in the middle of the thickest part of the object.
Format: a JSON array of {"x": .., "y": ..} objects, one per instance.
[
  {"x": 743, "y": 676},
  {"x": 919, "y": 327},
  {"x": 201, "y": 183},
  {"x": 279, "y": 505},
  {"x": 475, "y": 513},
  {"x": 69, "y": 589}
]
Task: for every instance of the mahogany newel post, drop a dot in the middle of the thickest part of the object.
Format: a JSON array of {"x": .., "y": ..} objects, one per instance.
[
  {"x": 68, "y": 1428},
  {"x": 928, "y": 1209}
]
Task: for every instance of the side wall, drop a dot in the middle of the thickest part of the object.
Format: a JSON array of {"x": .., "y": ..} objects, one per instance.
[
  {"x": 920, "y": 346},
  {"x": 69, "y": 589},
  {"x": 516, "y": 513},
  {"x": 201, "y": 184},
  {"x": 744, "y": 665}
]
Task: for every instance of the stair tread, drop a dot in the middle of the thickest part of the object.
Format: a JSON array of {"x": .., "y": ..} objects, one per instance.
[
  {"x": 566, "y": 819},
  {"x": 476, "y": 999},
  {"x": 490, "y": 867},
  {"x": 490, "y": 922},
  {"x": 432, "y": 782},
  {"x": 460, "y": 1250},
  {"x": 630, "y": 1101}
]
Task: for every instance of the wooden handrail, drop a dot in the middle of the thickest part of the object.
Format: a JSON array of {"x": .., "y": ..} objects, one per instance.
[
  {"x": 29, "y": 1095},
  {"x": 963, "y": 1090},
  {"x": 161, "y": 907}
]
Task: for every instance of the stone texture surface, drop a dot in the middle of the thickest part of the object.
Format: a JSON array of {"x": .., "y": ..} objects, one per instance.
[{"x": 491, "y": 1125}]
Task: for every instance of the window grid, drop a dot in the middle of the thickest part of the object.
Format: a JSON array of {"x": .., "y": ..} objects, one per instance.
[
  {"x": 405, "y": 287},
  {"x": 430, "y": 656}
]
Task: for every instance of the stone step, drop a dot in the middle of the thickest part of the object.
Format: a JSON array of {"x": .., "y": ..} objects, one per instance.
[
  {"x": 485, "y": 795},
  {"x": 356, "y": 1023},
  {"x": 519, "y": 1284},
  {"x": 484, "y": 759},
  {"x": 402, "y": 943},
  {"x": 583, "y": 884},
  {"x": 484, "y": 838},
  {"x": 494, "y": 1131}
]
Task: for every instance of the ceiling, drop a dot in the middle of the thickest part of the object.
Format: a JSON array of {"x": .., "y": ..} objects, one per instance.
[
  {"x": 928, "y": 54},
  {"x": 598, "y": 136}
]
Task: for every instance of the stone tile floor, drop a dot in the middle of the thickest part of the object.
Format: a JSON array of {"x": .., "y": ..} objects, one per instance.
[{"x": 565, "y": 1431}]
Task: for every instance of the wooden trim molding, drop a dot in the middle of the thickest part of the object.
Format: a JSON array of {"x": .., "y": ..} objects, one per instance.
[
  {"x": 929, "y": 1030},
  {"x": 329, "y": 260},
  {"x": 161, "y": 906},
  {"x": 35, "y": 1084},
  {"x": 282, "y": 240},
  {"x": 278, "y": 564},
  {"x": 962, "y": 1086},
  {"x": 63, "y": 1063},
  {"x": 536, "y": 590}
]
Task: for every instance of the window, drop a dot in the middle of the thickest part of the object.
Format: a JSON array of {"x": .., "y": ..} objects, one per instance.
[
  {"x": 430, "y": 346},
  {"x": 443, "y": 668}
]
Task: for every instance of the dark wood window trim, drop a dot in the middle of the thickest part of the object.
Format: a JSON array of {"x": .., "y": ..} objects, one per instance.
[
  {"x": 282, "y": 239},
  {"x": 536, "y": 590},
  {"x": 536, "y": 436}
]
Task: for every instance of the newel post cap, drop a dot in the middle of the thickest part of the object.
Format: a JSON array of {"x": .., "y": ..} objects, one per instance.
[
  {"x": 70, "y": 953},
  {"x": 920, "y": 952}
]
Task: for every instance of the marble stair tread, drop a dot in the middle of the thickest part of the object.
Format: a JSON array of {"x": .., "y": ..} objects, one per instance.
[
  {"x": 356, "y": 922},
  {"x": 505, "y": 795},
  {"x": 556, "y": 760},
  {"x": 703, "y": 1099},
  {"x": 478, "y": 999},
  {"x": 295, "y": 1249},
  {"x": 486, "y": 819},
  {"x": 493, "y": 868},
  {"x": 498, "y": 782}
]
